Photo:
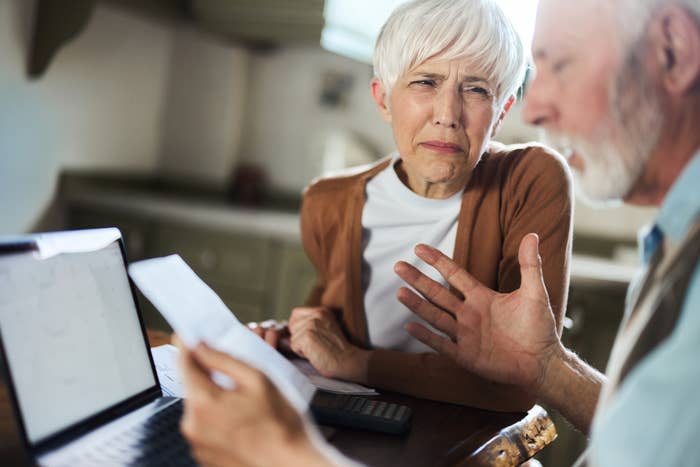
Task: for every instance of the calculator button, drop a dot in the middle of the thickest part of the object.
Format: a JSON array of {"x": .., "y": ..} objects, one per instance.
[
  {"x": 381, "y": 407},
  {"x": 401, "y": 411},
  {"x": 369, "y": 408},
  {"x": 390, "y": 411},
  {"x": 359, "y": 404}
]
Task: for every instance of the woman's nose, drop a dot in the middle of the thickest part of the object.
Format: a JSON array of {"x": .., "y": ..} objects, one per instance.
[{"x": 448, "y": 109}]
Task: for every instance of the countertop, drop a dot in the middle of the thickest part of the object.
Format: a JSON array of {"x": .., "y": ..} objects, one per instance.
[{"x": 586, "y": 270}]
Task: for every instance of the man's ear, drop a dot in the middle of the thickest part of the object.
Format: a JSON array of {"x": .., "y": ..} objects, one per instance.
[
  {"x": 675, "y": 41},
  {"x": 381, "y": 99},
  {"x": 506, "y": 108}
]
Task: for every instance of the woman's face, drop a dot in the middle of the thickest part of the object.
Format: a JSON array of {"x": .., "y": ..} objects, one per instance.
[{"x": 442, "y": 115}]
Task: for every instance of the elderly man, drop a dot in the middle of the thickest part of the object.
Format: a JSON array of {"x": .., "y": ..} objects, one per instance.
[{"x": 619, "y": 84}]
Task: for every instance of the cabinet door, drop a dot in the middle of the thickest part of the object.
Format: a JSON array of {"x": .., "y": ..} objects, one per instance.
[
  {"x": 295, "y": 278},
  {"x": 135, "y": 229},
  {"x": 234, "y": 265},
  {"x": 235, "y": 259}
]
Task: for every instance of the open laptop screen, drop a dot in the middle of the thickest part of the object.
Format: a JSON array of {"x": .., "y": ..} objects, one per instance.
[{"x": 71, "y": 335}]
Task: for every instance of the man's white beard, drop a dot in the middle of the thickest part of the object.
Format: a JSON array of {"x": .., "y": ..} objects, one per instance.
[
  {"x": 609, "y": 172},
  {"x": 615, "y": 155}
]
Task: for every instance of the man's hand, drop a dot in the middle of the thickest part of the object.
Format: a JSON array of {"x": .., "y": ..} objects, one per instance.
[
  {"x": 316, "y": 336},
  {"x": 507, "y": 338},
  {"x": 251, "y": 425}
]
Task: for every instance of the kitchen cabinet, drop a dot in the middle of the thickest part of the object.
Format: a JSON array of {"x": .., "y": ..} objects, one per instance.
[
  {"x": 259, "y": 273},
  {"x": 259, "y": 25}
]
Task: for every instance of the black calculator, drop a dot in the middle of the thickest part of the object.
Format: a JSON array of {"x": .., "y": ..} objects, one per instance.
[{"x": 361, "y": 412}]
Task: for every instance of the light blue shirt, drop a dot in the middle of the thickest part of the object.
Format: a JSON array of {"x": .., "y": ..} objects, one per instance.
[{"x": 654, "y": 418}]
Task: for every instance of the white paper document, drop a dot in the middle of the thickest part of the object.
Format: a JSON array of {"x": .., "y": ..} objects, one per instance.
[
  {"x": 165, "y": 359},
  {"x": 197, "y": 314},
  {"x": 331, "y": 385}
]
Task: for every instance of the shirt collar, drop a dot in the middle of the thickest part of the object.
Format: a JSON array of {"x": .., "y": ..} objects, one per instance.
[
  {"x": 682, "y": 203},
  {"x": 679, "y": 209}
]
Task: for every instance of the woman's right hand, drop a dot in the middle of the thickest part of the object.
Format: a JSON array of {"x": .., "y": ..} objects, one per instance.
[{"x": 275, "y": 333}]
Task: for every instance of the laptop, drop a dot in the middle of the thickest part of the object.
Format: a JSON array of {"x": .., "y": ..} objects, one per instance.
[{"x": 79, "y": 371}]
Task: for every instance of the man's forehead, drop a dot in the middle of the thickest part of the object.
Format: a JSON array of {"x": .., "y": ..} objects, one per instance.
[{"x": 579, "y": 23}]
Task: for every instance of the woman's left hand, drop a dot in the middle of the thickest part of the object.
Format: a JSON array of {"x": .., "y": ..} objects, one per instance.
[{"x": 316, "y": 336}]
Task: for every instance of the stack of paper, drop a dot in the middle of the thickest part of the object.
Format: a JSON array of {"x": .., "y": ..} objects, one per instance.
[{"x": 197, "y": 314}]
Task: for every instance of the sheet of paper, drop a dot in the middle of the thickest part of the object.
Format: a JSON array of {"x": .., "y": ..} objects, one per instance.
[
  {"x": 331, "y": 385},
  {"x": 165, "y": 359},
  {"x": 197, "y": 314}
]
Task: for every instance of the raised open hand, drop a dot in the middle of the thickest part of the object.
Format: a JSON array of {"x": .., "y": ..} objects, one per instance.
[{"x": 507, "y": 338}]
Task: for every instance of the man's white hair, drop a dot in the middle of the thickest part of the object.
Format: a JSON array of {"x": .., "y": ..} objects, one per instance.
[
  {"x": 475, "y": 30},
  {"x": 634, "y": 15}
]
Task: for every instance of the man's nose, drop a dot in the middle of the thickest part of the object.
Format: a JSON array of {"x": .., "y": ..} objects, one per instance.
[
  {"x": 538, "y": 108},
  {"x": 448, "y": 109}
]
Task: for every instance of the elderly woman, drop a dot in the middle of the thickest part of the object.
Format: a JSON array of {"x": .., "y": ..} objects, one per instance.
[{"x": 446, "y": 74}]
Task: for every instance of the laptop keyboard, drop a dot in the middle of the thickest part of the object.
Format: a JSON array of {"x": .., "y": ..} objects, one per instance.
[{"x": 157, "y": 442}]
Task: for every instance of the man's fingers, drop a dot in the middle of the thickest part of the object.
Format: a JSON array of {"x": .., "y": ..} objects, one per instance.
[
  {"x": 196, "y": 379},
  {"x": 439, "y": 343},
  {"x": 430, "y": 289},
  {"x": 456, "y": 276},
  {"x": 531, "y": 279},
  {"x": 438, "y": 317},
  {"x": 213, "y": 360}
]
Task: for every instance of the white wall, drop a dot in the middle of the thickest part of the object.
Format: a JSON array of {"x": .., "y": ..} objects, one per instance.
[
  {"x": 99, "y": 105},
  {"x": 204, "y": 109},
  {"x": 284, "y": 118}
]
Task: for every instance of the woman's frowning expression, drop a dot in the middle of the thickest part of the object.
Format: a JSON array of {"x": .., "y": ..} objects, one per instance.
[{"x": 442, "y": 116}]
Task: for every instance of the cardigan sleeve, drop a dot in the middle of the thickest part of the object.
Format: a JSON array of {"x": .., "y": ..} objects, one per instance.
[
  {"x": 310, "y": 239},
  {"x": 537, "y": 198}
]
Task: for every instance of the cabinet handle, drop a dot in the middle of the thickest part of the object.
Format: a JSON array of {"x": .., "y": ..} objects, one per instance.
[{"x": 208, "y": 259}]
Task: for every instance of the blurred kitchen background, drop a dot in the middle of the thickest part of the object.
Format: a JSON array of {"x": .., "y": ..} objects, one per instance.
[{"x": 194, "y": 125}]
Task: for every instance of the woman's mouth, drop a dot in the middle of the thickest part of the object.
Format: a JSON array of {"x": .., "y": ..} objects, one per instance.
[{"x": 442, "y": 146}]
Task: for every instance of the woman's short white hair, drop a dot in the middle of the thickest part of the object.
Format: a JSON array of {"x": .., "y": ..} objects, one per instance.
[{"x": 476, "y": 30}]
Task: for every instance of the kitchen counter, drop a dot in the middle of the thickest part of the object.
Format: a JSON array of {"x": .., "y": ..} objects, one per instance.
[
  {"x": 586, "y": 270},
  {"x": 278, "y": 224}
]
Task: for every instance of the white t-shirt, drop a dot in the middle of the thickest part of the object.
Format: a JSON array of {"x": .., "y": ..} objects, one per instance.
[{"x": 394, "y": 220}]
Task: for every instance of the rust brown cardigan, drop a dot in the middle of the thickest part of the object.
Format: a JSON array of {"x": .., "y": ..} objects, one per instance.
[{"x": 514, "y": 190}]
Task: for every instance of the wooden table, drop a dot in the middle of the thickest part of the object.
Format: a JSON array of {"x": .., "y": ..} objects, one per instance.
[{"x": 441, "y": 434}]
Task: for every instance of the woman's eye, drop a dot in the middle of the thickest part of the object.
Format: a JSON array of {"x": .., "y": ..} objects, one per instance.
[
  {"x": 424, "y": 82},
  {"x": 478, "y": 90}
]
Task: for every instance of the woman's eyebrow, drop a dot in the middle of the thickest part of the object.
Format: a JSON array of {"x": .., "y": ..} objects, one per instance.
[
  {"x": 476, "y": 79},
  {"x": 429, "y": 75},
  {"x": 466, "y": 79}
]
